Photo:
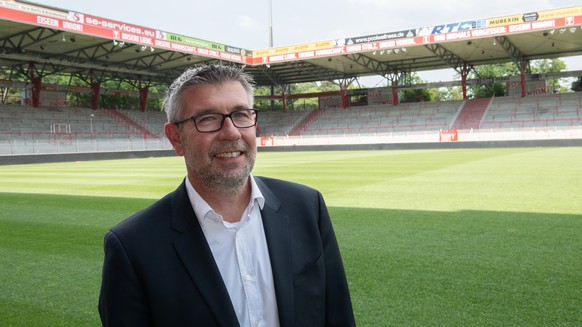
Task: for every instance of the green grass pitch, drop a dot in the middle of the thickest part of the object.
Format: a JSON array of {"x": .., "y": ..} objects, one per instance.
[{"x": 479, "y": 237}]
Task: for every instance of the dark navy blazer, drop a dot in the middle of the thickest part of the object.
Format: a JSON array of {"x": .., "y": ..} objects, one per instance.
[{"x": 159, "y": 271}]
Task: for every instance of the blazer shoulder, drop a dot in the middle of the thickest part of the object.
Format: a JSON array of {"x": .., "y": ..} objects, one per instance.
[
  {"x": 277, "y": 185},
  {"x": 155, "y": 215},
  {"x": 288, "y": 196}
]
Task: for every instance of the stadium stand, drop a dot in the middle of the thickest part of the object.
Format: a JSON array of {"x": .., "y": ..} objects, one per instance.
[
  {"x": 406, "y": 117},
  {"x": 471, "y": 113},
  {"x": 538, "y": 111},
  {"x": 50, "y": 130},
  {"x": 24, "y": 129},
  {"x": 279, "y": 123},
  {"x": 149, "y": 122}
]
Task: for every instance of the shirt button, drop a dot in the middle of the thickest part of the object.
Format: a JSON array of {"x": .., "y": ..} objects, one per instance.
[{"x": 248, "y": 277}]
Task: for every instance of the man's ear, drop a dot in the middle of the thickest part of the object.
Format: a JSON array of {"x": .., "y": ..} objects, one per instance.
[{"x": 172, "y": 132}]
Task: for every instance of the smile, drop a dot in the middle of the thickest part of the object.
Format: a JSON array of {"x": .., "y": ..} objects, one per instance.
[{"x": 229, "y": 154}]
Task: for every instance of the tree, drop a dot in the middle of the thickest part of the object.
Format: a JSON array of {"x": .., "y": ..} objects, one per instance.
[
  {"x": 486, "y": 90},
  {"x": 416, "y": 95},
  {"x": 544, "y": 66},
  {"x": 447, "y": 94}
]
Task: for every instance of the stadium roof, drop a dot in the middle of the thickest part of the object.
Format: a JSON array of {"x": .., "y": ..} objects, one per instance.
[{"x": 56, "y": 40}]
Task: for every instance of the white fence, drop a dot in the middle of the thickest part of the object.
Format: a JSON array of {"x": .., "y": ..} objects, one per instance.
[
  {"x": 50, "y": 145},
  {"x": 47, "y": 144},
  {"x": 480, "y": 135}
]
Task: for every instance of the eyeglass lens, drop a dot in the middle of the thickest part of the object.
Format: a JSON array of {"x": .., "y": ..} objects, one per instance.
[{"x": 214, "y": 121}]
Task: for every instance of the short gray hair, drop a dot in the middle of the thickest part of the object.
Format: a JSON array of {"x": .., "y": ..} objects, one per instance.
[{"x": 206, "y": 74}]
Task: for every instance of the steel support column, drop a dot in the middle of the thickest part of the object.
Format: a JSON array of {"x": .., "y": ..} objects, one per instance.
[{"x": 143, "y": 98}]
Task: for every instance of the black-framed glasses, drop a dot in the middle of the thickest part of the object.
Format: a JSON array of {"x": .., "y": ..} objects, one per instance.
[{"x": 212, "y": 122}]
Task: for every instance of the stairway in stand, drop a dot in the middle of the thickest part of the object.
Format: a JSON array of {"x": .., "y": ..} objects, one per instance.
[
  {"x": 130, "y": 123},
  {"x": 472, "y": 113},
  {"x": 302, "y": 125}
]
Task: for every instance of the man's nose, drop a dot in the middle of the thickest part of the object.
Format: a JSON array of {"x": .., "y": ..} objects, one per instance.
[{"x": 229, "y": 129}]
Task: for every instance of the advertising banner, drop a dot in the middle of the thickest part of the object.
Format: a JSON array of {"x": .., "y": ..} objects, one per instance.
[
  {"x": 53, "y": 99},
  {"x": 377, "y": 37},
  {"x": 122, "y": 33},
  {"x": 119, "y": 32},
  {"x": 451, "y": 135},
  {"x": 331, "y": 102},
  {"x": 531, "y": 88},
  {"x": 380, "y": 96}
]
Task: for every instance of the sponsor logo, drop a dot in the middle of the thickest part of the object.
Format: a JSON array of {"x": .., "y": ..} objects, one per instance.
[
  {"x": 381, "y": 37},
  {"x": 530, "y": 17}
]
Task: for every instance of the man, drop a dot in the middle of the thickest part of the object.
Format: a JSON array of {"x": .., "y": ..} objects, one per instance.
[{"x": 225, "y": 248}]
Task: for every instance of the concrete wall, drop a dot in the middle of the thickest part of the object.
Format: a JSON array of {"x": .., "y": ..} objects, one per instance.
[{"x": 71, "y": 157}]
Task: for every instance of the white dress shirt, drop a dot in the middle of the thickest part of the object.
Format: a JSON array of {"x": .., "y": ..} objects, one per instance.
[{"x": 241, "y": 253}]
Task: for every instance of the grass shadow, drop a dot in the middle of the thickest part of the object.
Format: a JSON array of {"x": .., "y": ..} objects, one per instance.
[
  {"x": 484, "y": 268},
  {"x": 413, "y": 268}
]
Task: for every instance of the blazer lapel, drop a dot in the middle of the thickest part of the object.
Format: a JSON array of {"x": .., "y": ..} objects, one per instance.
[
  {"x": 196, "y": 256},
  {"x": 279, "y": 243}
]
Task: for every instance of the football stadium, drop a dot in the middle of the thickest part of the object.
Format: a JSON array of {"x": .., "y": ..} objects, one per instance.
[{"x": 455, "y": 203}]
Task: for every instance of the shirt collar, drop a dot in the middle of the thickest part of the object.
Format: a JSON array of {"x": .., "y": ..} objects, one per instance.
[{"x": 203, "y": 210}]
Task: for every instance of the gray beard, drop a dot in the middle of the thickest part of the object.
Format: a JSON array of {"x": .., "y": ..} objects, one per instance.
[{"x": 225, "y": 183}]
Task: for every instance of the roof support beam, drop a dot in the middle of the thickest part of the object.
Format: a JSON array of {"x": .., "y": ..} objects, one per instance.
[
  {"x": 518, "y": 57},
  {"x": 450, "y": 58},
  {"x": 374, "y": 66}
]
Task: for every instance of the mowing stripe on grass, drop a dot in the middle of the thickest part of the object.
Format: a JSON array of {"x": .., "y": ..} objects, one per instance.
[{"x": 481, "y": 237}]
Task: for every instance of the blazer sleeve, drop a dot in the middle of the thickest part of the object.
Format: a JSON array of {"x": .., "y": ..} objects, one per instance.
[
  {"x": 122, "y": 301},
  {"x": 308, "y": 272},
  {"x": 339, "y": 311}
]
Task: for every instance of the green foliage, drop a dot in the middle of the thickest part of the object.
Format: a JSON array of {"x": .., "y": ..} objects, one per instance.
[
  {"x": 491, "y": 71},
  {"x": 544, "y": 66},
  {"x": 447, "y": 94},
  {"x": 417, "y": 95},
  {"x": 326, "y": 86},
  {"x": 476, "y": 237},
  {"x": 83, "y": 99},
  {"x": 292, "y": 104}
]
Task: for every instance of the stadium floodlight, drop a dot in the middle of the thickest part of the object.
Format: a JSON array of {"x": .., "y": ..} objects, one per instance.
[{"x": 270, "y": 23}]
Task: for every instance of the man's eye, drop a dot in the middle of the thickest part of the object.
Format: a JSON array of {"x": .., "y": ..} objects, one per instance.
[
  {"x": 209, "y": 119},
  {"x": 240, "y": 114}
]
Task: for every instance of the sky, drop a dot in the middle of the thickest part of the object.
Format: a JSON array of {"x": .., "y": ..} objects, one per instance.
[{"x": 246, "y": 24}]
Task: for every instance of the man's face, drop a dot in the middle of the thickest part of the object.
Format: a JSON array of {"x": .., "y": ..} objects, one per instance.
[{"x": 223, "y": 159}]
